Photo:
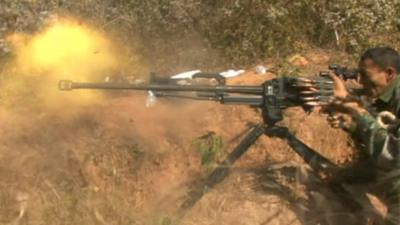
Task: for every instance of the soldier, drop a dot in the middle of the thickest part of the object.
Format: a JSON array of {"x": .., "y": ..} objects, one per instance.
[{"x": 379, "y": 68}]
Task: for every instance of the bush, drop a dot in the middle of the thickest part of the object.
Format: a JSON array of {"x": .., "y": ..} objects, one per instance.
[
  {"x": 242, "y": 30},
  {"x": 364, "y": 23}
]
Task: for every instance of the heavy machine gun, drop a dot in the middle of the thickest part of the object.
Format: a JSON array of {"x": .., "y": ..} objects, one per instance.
[{"x": 272, "y": 97}]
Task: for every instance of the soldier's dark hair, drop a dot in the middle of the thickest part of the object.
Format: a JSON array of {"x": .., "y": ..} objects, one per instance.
[{"x": 384, "y": 57}]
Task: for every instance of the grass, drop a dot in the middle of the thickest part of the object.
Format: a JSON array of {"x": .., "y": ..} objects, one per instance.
[
  {"x": 8, "y": 207},
  {"x": 210, "y": 147},
  {"x": 164, "y": 220}
]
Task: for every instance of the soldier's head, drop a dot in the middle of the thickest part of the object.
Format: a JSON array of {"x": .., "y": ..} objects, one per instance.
[{"x": 378, "y": 68}]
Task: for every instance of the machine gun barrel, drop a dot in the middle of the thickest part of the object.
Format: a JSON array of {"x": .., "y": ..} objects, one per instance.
[{"x": 67, "y": 85}]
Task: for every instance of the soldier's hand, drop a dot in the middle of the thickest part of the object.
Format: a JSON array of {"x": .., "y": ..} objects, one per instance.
[
  {"x": 351, "y": 108},
  {"x": 339, "y": 87},
  {"x": 342, "y": 121}
]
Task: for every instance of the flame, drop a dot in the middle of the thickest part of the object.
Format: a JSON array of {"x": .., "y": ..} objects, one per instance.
[{"x": 65, "y": 50}]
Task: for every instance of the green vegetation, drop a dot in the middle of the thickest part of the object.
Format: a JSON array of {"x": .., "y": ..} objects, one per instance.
[
  {"x": 164, "y": 220},
  {"x": 210, "y": 148},
  {"x": 242, "y": 30}
]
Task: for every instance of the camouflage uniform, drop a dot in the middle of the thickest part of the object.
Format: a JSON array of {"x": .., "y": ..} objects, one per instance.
[{"x": 381, "y": 148}]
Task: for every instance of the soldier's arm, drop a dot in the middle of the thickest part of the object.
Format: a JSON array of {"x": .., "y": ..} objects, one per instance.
[
  {"x": 370, "y": 133},
  {"x": 364, "y": 126}
]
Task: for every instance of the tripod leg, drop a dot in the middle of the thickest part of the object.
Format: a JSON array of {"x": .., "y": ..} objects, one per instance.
[
  {"x": 315, "y": 160},
  {"x": 318, "y": 163},
  {"x": 222, "y": 170}
]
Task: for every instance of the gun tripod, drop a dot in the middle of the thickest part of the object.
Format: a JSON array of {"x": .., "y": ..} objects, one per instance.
[{"x": 316, "y": 161}]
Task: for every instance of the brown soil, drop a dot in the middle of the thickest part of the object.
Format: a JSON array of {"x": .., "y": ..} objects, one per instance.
[{"x": 118, "y": 162}]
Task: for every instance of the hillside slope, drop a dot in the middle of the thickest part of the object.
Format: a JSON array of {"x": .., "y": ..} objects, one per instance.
[{"x": 115, "y": 161}]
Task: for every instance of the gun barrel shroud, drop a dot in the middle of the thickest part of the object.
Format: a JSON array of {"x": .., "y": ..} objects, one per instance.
[{"x": 67, "y": 85}]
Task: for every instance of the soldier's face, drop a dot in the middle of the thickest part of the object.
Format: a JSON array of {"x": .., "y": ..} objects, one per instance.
[{"x": 373, "y": 77}]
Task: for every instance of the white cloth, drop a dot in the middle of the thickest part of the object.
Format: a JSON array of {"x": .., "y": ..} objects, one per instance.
[{"x": 189, "y": 74}]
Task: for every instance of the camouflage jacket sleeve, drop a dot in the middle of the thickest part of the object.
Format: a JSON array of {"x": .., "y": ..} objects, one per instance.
[{"x": 377, "y": 142}]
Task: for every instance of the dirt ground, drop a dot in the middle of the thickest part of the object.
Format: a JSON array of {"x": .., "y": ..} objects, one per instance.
[{"x": 116, "y": 161}]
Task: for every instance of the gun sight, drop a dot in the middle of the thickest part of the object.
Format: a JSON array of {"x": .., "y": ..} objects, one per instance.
[{"x": 344, "y": 72}]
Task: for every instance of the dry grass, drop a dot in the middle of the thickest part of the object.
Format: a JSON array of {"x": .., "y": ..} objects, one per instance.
[
  {"x": 114, "y": 161},
  {"x": 117, "y": 162}
]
